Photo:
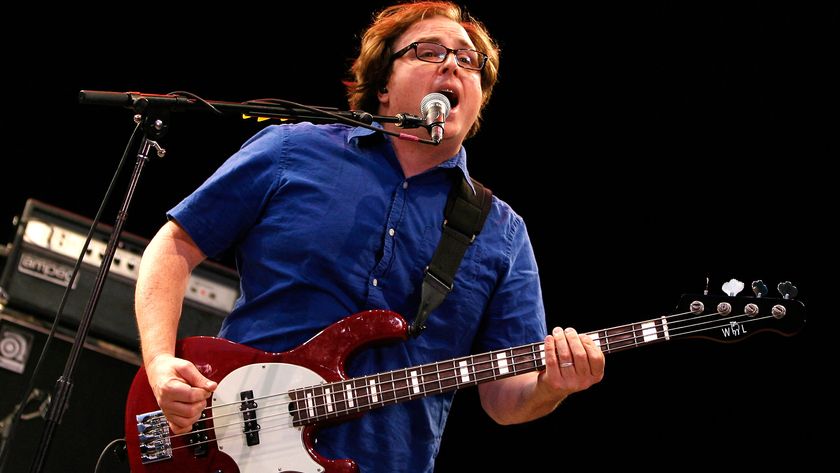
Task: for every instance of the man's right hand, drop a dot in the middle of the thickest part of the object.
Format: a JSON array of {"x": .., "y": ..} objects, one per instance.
[{"x": 180, "y": 389}]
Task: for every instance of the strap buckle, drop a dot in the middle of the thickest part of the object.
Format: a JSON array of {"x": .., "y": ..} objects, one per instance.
[
  {"x": 432, "y": 294},
  {"x": 454, "y": 231},
  {"x": 431, "y": 278}
]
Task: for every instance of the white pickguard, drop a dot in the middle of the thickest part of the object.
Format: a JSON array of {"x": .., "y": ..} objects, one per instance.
[{"x": 281, "y": 446}]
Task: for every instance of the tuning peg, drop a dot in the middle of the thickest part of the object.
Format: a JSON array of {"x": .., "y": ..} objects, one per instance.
[
  {"x": 697, "y": 307},
  {"x": 759, "y": 288},
  {"x": 787, "y": 290},
  {"x": 733, "y": 287}
]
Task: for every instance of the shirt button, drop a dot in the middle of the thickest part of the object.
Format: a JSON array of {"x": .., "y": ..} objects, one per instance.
[
  {"x": 391, "y": 231},
  {"x": 405, "y": 184},
  {"x": 375, "y": 282}
]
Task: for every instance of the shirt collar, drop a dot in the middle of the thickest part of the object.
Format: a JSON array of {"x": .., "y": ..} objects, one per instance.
[
  {"x": 458, "y": 161},
  {"x": 361, "y": 132}
]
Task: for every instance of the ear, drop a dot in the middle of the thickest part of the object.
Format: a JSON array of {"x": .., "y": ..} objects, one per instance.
[{"x": 382, "y": 94}]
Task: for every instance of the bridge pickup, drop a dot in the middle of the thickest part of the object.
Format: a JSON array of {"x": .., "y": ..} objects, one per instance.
[
  {"x": 249, "y": 414},
  {"x": 153, "y": 435},
  {"x": 198, "y": 438}
]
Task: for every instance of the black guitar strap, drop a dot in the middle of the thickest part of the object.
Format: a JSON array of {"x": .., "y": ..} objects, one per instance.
[{"x": 463, "y": 219}]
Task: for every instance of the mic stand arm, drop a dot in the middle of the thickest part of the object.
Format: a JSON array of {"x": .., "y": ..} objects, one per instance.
[
  {"x": 155, "y": 124},
  {"x": 272, "y": 108}
]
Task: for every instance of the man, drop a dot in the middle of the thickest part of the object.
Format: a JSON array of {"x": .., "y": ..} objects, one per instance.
[{"x": 331, "y": 220}]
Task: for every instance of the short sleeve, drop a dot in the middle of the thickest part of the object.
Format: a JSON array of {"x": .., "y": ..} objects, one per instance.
[
  {"x": 515, "y": 314},
  {"x": 228, "y": 203}
]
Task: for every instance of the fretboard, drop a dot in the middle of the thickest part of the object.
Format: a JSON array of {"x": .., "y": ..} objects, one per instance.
[{"x": 332, "y": 400}]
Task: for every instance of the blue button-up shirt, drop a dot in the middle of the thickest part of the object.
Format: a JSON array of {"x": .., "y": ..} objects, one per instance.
[{"x": 325, "y": 224}]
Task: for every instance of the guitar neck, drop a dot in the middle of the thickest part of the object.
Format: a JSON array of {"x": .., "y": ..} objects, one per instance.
[
  {"x": 723, "y": 319},
  {"x": 332, "y": 400}
]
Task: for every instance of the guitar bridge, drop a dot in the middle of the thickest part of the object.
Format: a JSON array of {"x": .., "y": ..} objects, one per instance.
[{"x": 153, "y": 434}]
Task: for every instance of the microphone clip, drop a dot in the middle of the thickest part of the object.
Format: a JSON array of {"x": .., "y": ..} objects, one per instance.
[{"x": 410, "y": 121}]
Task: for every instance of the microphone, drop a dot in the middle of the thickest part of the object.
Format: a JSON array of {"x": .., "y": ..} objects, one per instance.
[{"x": 434, "y": 108}]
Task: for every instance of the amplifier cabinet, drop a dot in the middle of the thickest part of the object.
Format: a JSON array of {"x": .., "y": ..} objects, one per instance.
[
  {"x": 101, "y": 381},
  {"x": 47, "y": 242}
]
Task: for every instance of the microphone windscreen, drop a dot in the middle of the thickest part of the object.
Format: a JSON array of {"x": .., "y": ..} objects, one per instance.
[{"x": 432, "y": 99}]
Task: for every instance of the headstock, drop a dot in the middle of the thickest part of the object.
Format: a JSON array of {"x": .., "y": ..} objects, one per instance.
[{"x": 731, "y": 318}]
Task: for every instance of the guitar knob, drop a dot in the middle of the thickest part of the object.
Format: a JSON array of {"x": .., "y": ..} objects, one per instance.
[
  {"x": 778, "y": 311},
  {"x": 732, "y": 287},
  {"x": 787, "y": 290},
  {"x": 759, "y": 288},
  {"x": 724, "y": 308},
  {"x": 751, "y": 309},
  {"x": 697, "y": 307}
]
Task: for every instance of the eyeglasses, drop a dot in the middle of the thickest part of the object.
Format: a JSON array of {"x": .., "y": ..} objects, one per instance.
[{"x": 436, "y": 53}]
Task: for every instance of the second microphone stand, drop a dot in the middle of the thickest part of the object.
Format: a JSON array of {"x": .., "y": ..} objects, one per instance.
[{"x": 154, "y": 123}]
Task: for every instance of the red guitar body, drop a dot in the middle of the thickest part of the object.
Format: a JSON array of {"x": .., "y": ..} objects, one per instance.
[{"x": 216, "y": 358}]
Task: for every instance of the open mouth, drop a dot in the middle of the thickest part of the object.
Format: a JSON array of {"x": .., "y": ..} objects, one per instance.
[{"x": 451, "y": 95}]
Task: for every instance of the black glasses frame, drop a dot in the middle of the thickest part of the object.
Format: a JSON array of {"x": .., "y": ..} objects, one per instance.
[{"x": 434, "y": 60}]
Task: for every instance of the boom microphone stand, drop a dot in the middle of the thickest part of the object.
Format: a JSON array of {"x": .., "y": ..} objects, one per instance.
[{"x": 152, "y": 115}]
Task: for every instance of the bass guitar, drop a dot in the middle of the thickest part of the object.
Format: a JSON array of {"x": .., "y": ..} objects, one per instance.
[{"x": 264, "y": 415}]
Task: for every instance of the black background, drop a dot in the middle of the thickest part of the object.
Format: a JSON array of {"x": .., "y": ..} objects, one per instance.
[{"x": 646, "y": 146}]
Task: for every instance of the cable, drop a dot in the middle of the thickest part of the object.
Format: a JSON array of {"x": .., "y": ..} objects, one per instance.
[{"x": 102, "y": 455}]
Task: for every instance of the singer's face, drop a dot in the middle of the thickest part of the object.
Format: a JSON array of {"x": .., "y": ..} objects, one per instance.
[{"x": 412, "y": 79}]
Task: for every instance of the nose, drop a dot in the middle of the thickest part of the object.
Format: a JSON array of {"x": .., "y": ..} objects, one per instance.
[{"x": 450, "y": 62}]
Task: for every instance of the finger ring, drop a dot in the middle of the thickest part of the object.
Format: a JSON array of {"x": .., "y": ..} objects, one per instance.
[{"x": 566, "y": 364}]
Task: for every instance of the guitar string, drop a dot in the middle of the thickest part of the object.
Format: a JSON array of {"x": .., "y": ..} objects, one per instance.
[
  {"x": 619, "y": 343},
  {"x": 606, "y": 347},
  {"x": 531, "y": 359},
  {"x": 672, "y": 325},
  {"x": 235, "y": 435},
  {"x": 613, "y": 335},
  {"x": 339, "y": 412}
]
